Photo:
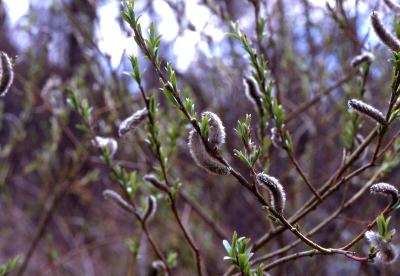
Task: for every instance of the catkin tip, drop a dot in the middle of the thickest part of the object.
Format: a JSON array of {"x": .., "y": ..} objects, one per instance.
[
  {"x": 365, "y": 57},
  {"x": 385, "y": 189}
]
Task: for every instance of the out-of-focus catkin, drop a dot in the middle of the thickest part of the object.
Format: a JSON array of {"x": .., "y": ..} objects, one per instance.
[
  {"x": 132, "y": 121},
  {"x": 384, "y": 35},
  {"x": 6, "y": 73}
]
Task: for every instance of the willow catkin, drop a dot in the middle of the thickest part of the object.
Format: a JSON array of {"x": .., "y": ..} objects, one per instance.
[
  {"x": 387, "y": 253},
  {"x": 384, "y": 35},
  {"x": 150, "y": 209},
  {"x": 6, "y": 73},
  {"x": 132, "y": 121},
  {"x": 152, "y": 179},
  {"x": 118, "y": 200},
  {"x": 367, "y": 110},
  {"x": 252, "y": 92},
  {"x": 277, "y": 193},
  {"x": 216, "y": 130},
  {"x": 395, "y": 7},
  {"x": 385, "y": 189},
  {"x": 106, "y": 143},
  {"x": 365, "y": 57},
  {"x": 203, "y": 158}
]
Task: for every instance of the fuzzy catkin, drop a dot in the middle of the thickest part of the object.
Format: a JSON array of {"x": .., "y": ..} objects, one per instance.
[
  {"x": 151, "y": 208},
  {"x": 387, "y": 253},
  {"x": 395, "y": 7},
  {"x": 365, "y": 57},
  {"x": 203, "y": 159},
  {"x": 132, "y": 121},
  {"x": 216, "y": 130},
  {"x": 6, "y": 73},
  {"x": 118, "y": 200},
  {"x": 252, "y": 92},
  {"x": 387, "y": 38},
  {"x": 159, "y": 266},
  {"x": 277, "y": 193},
  {"x": 106, "y": 143},
  {"x": 368, "y": 110},
  {"x": 152, "y": 179},
  {"x": 385, "y": 189}
]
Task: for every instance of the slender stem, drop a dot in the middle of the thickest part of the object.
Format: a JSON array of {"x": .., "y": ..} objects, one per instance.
[
  {"x": 302, "y": 174},
  {"x": 46, "y": 217},
  {"x": 154, "y": 246},
  {"x": 165, "y": 177},
  {"x": 310, "y": 253},
  {"x": 305, "y": 106}
]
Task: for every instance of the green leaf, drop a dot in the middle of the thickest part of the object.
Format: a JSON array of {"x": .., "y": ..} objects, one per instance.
[{"x": 9, "y": 266}]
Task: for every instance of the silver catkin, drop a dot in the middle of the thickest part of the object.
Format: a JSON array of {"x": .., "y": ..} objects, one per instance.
[
  {"x": 252, "y": 92},
  {"x": 367, "y": 110},
  {"x": 132, "y": 121},
  {"x": 203, "y": 159},
  {"x": 277, "y": 193},
  {"x": 387, "y": 253},
  {"x": 150, "y": 209},
  {"x": 106, "y": 143},
  {"x": 118, "y": 200},
  {"x": 152, "y": 179},
  {"x": 385, "y": 189},
  {"x": 365, "y": 57},
  {"x": 159, "y": 266},
  {"x": 387, "y": 38},
  {"x": 276, "y": 138},
  {"x": 216, "y": 130},
  {"x": 395, "y": 7},
  {"x": 6, "y": 73}
]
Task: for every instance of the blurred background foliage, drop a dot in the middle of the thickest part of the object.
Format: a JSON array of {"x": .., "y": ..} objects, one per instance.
[{"x": 82, "y": 45}]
